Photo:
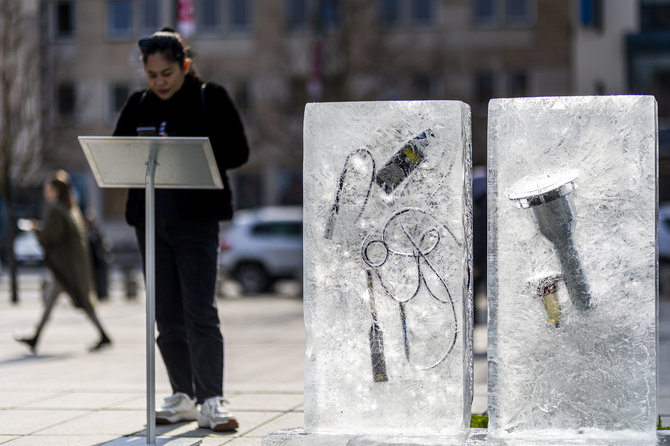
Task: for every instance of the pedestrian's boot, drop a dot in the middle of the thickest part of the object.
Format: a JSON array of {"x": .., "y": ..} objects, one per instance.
[
  {"x": 105, "y": 341},
  {"x": 30, "y": 342}
]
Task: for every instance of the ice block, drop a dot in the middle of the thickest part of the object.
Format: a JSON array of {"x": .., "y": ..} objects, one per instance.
[
  {"x": 572, "y": 203},
  {"x": 387, "y": 269}
]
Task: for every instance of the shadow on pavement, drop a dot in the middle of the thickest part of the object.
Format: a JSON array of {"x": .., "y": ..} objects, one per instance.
[
  {"x": 161, "y": 430},
  {"x": 36, "y": 358}
]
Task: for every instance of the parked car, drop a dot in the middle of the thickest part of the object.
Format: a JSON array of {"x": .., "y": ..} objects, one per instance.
[
  {"x": 27, "y": 249},
  {"x": 262, "y": 246}
]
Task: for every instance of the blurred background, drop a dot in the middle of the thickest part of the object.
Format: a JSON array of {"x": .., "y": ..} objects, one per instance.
[{"x": 68, "y": 66}]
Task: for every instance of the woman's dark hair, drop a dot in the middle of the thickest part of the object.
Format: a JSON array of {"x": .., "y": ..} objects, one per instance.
[
  {"x": 60, "y": 181},
  {"x": 167, "y": 42}
]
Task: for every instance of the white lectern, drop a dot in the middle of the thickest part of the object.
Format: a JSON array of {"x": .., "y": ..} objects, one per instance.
[{"x": 151, "y": 162}]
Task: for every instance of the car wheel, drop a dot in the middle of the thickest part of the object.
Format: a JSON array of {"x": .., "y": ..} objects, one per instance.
[{"x": 253, "y": 277}]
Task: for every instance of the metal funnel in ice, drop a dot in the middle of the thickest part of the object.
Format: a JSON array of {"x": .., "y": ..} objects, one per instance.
[{"x": 550, "y": 200}]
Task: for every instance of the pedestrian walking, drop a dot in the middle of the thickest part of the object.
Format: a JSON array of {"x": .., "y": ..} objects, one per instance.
[
  {"x": 63, "y": 237},
  {"x": 179, "y": 103}
]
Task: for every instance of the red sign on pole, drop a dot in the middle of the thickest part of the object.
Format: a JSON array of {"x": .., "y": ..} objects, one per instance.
[{"x": 186, "y": 17}]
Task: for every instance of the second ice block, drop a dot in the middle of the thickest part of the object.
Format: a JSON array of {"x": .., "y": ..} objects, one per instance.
[{"x": 572, "y": 268}]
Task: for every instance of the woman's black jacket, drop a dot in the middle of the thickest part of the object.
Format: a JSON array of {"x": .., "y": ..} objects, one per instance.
[{"x": 189, "y": 113}]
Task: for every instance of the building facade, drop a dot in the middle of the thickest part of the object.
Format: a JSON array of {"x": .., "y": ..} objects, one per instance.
[
  {"x": 599, "y": 45},
  {"x": 275, "y": 56}
]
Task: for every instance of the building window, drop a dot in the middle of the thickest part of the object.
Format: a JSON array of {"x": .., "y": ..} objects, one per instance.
[
  {"x": 489, "y": 84},
  {"x": 484, "y": 12},
  {"x": 65, "y": 100},
  {"x": 484, "y": 88},
  {"x": 150, "y": 16},
  {"x": 517, "y": 84},
  {"x": 502, "y": 12},
  {"x": 517, "y": 12},
  {"x": 423, "y": 12},
  {"x": 329, "y": 14},
  {"x": 120, "y": 18},
  {"x": 422, "y": 86},
  {"x": 118, "y": 96},
  {"x": 389, "y": 12},
  {"x": 296, "y": 14},
  {"x": 240, "y": 14},
  {"x": 654, "y": 15},
  {"x": 590, "y": 13},
  {"x": 207, "y": 16},
  {"x": 406, "y": 13},
  {"x": 64, "y": 19},
  {"x": 322, "y": 14}
]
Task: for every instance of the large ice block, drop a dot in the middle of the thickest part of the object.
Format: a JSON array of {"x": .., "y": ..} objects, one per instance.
[
  {"x": 387, "y": 266},
  {"x": 572, "y": 276}
]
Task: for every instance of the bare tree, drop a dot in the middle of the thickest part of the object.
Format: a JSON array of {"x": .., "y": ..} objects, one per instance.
[{"x": 20, "y": 111}]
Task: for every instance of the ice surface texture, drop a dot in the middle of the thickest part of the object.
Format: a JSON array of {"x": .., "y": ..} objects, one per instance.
[
  {"x": 387, "y": 237},
  {"x": 572, "y": 271}
]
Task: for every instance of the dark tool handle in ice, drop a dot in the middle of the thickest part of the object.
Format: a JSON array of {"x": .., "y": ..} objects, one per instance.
[
  {"x": 401, "y": 165},
  {"x": 573, "y": 275},
  {"x": 377, "y": 354},
  {"x": 376, "y": 339}
]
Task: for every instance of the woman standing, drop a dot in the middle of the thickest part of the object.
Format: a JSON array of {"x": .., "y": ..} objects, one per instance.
[
  {"x": 178, "y": 103},
  {"x": 63, "y": 237}
]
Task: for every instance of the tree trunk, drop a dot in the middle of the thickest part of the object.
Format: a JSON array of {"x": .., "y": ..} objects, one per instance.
[
  {"x": 13, "y": 267},
  {"x": 11, "y": 235}
]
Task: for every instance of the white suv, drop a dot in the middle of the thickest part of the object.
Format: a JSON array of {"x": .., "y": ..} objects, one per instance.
[{"x": 261, "y": 246}]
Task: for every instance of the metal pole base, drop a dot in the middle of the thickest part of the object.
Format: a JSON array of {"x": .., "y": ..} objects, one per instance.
[{"x": 136, "y": 441}]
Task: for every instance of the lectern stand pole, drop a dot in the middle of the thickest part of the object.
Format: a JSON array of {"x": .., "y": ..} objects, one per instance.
[{"x": 150, "y": 255}]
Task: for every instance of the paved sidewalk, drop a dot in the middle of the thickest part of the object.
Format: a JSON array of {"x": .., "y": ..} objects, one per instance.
[{"x": 67, "y": 396}]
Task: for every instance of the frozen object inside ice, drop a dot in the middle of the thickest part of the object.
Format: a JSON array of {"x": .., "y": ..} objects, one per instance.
[{"x": 553, "y": 210}]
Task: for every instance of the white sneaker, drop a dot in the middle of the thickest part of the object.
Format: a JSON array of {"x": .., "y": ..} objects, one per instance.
[
  {"x": 214, "y": 415},
  {"x": 178, "y": 407}
]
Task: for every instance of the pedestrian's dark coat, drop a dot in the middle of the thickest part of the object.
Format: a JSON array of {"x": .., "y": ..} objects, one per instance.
[{"x": 63, "y": 236}]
